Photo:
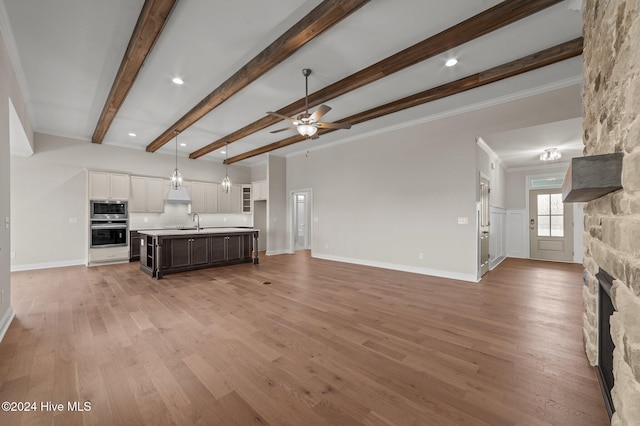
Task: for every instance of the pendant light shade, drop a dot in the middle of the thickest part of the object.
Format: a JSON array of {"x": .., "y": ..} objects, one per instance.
[
  {"x": 177, "y": 193},
  {"x": 226, "y": 182}
]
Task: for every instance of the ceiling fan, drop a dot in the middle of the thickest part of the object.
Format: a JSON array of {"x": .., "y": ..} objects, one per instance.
[{"x": 307, "y": 124}]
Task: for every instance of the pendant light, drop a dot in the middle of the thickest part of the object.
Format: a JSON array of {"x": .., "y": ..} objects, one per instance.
[
  {"x": 176, "y": 177},
  {"x": 177, "y": 193},
  {"x": 226, "y": 182}
]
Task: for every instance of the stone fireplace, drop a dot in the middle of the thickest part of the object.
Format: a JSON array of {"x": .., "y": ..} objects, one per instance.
[{"x": 611, "y": 103}]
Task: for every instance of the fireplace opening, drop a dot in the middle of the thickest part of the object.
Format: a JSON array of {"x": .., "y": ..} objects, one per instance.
[{"x": 605, "y": 341}]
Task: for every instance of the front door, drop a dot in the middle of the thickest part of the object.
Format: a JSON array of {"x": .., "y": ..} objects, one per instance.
[
  {"x": 484, "y": 226},
  {"x": 550, "y": 226}
]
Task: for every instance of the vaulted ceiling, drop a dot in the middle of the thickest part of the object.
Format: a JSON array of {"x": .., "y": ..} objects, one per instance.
[{"x": 242, "y": 58}]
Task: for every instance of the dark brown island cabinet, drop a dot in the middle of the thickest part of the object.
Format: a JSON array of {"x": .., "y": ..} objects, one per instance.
[{"x": 168, "y": 251}]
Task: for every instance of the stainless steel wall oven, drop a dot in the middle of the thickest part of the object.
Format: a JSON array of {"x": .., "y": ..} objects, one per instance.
[{"x": 109, "y": 223}]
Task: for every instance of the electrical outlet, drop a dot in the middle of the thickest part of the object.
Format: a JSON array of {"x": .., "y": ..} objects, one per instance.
[
  {"x": 463, "y": 221},
  {"x": 146, "y": 219},
  {"x": 73, "y": 220},
  {"x": 225, "y": 219},
  {"x": 326, "y": 246},
  {"x": 420, "y": 256}
]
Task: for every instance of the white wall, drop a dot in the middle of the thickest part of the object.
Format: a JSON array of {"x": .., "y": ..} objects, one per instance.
[
  {"x": 277, "y": 224},
  {"x": 9, "y": 90},
  {"x": 50, "y": 187},
  {"x": 384, "y": 199}
]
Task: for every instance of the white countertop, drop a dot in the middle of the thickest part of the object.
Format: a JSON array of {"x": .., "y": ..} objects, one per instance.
[{"x": 202, "y": 231}]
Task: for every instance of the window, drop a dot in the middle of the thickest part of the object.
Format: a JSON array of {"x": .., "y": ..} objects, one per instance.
[{"x": 550, "y": 215}]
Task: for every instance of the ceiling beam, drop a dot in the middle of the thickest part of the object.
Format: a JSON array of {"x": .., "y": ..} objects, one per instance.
[
  {"x": 502, "y": 14},
  {"x": 320, "y": 19},
  {"x": 151, "y": 22},
  {"x": 528, "y": 63}
]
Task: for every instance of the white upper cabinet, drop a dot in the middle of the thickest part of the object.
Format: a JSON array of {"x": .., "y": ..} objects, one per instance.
[
  {"x": 230, "y": 202},
  {"x": 108, "y": 186},
  {"x": 147, "y": 195},
  {"x": 204, "y": 197},
  {"x": 260, "y": 190}
]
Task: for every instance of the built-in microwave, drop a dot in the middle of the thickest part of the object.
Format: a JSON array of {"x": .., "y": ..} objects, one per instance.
[{"x": 108, "y": 210}]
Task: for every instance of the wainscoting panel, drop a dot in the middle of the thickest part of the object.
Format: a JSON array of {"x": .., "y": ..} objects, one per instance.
[
  {"x": 497, "y": 236},
  {"x": 517, "y": 237}
]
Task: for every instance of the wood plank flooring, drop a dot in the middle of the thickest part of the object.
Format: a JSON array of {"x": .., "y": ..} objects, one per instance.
[{"x": 325, "y": 343}]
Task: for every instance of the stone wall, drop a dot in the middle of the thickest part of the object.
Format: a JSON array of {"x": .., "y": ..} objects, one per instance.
[{"x": 611, "y": 105}]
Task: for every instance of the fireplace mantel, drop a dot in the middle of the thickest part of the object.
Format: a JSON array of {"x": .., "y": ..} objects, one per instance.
[{"x": 592, "y": 177}]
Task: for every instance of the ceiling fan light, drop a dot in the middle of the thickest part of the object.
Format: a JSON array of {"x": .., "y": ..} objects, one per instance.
[{"x": 307, "y": 130}]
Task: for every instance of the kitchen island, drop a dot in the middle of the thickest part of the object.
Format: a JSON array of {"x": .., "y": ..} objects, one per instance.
[{"x": 167, "y": 251}]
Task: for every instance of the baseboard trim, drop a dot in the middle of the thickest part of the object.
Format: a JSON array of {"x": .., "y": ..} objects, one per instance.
[
  {"x": 277, "y": 252},
  {"x": 47, "y": 265},
  {"x": 6, "y": 322},
  {"x": 499, "y": 260},
  {"x": 397, "y": 267}
]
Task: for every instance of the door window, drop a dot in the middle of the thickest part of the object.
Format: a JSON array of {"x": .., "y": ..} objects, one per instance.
[{"x": 550, "y": 215}]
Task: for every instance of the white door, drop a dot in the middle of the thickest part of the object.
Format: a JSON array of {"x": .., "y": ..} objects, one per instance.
[
  {"x": 484, "y": 226},
  {"x": 550, "y": 226}
]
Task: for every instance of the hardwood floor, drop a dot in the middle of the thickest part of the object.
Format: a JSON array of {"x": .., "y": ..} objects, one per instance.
[{"x": 324, "y": 343}]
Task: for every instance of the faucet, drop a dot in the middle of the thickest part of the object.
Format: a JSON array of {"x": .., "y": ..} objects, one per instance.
[{"x": 196, "y": 216}]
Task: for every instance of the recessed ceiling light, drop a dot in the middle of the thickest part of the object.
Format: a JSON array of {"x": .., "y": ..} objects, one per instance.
[
  {"x": 183, "y": 144},
  {"x": 451, "y": 62},
  {"x": 133, "y": 135},
  {"x": 177, "y": 80},
  {"x": 223, "y": 152}
]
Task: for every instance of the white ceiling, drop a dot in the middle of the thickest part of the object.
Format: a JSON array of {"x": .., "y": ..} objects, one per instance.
[{"x": 67, "y": 52}]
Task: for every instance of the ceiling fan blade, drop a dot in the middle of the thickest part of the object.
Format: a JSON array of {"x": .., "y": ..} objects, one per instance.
[
  {"x": 284, "y": 117},
  {"x": 333, "y": 125},
  {"x": 282, "y": 130},
  {"x": 322, "y": 110},
  {"x": 315, "y": 136}
]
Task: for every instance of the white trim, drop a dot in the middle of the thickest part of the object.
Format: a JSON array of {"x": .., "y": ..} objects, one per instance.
[
  {"x": 495, "y": 265},
  {"x": 396, "y": 267},
  {"x": 6, "y": 322},
  {"x": 47, "y": 265},
  {"x": 450, "y": 113},
  {"x": 540, "y": 167},
  {"x": 486, "y": 148},
  {"x": 277, "y": 252}
]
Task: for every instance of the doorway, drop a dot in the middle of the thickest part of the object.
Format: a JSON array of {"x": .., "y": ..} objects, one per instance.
[
  {"x": 301, "y": 217},
  {"x": 484, "y": 224},
  {"x": 550, "y": 226}
]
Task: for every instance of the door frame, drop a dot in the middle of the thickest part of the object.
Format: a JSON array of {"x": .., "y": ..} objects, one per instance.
[
  {"x": 292, "y": 222},
  {"x": 568, "y": 222},
  {"x": 528, "y": 189},
  {"x": 481, "y": 176}
]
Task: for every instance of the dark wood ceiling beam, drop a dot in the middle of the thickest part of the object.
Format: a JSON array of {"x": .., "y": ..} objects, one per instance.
[
  {"x": 528, "y": 63},
  {"x": 151, "y": 22},
  {"x": 502, "y": 14},
  {"x": 320, "y": 19}
]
